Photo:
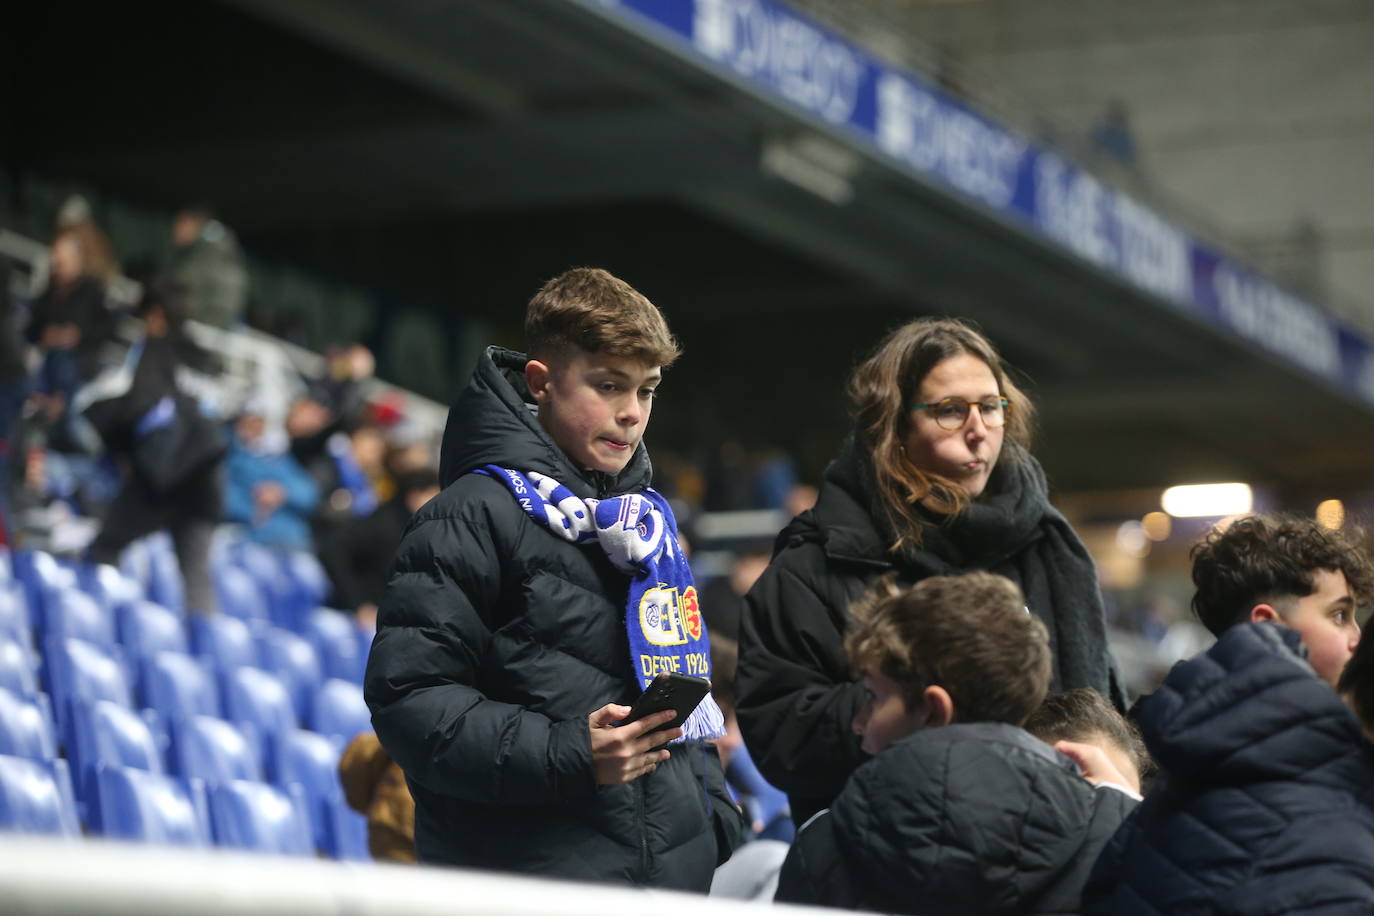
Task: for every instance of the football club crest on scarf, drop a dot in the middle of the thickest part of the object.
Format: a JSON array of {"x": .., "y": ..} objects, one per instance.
[{"x": 638, "y": 533}]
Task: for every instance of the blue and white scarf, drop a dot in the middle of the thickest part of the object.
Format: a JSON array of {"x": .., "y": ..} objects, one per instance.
[{"x": 639, "y": 535}]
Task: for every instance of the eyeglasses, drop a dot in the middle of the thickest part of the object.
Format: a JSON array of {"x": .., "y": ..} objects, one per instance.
[{"x": 952, "y": 413}]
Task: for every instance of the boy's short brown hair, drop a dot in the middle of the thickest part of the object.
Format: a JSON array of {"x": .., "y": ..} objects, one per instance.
[
  {"x": 1080, "y": 715},
  {"x": 590, "y": 309},
  {"x": 970, "y": 634},
  {"x": 1266, "y": 559}
]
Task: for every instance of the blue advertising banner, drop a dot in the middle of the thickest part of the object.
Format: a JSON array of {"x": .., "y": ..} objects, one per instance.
[{"x": 783, "y": 55}]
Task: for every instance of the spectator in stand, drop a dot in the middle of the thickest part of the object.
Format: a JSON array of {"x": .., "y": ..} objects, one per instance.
[
  {"x": 1265, "y": 799},
  {"x": 1289, "y": 571},
  {"x": 148, "y": 415},
  {"x": 267, "y": 491},
  {"x": 722, "y": 599},
  {"x": 960, "y": 810},
  {"x": 1081, "y": 724},
  {"x": 936, "y": 479},
  {"x": 207, "y": 261},
  {"x": 75, "y": 214},
  {"x": 358, "y": 553},
  {"x": 70, "y": 321},
  {"x": 13, "y": 388}
]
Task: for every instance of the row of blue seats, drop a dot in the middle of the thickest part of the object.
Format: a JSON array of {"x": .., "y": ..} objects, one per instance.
[{"x": 213, "y": 726}]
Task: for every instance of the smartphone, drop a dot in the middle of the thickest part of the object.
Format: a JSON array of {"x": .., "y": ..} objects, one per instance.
[{"x": 681, "y": 692}]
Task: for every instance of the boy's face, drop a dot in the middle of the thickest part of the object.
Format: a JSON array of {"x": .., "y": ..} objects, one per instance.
[
  {"x": 884, "y": 717},
  {"x": 594, "y": 406},
  {"x": 1326, "y": 621}
]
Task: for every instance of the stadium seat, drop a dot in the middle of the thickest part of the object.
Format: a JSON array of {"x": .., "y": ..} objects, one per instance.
[
  {"x": 17, "y": 668},
  {"x": 260, "y": 817},
  {"x": 239, "y": 595},
  {"x": 260, "y": 700},
  {"x": 340, "y": 710},
  {"x": 311, "y": 761},
  {"x": 335, "y": 636},
  {"x": 36, "y": 797},
  {"x": 347, "y": 832},
  {"x": 78, "y": 670},
  {"x": 146, "y": 629},
  {"x": 307, "y": 584},
  {"x": 293, "y": 658},
  {"x": 14, "y": 614},
  {"x": 108, "y": 585},
  {"x": 164, "y": 573},
  {"x": 178, "y": 686},
  {"x": 69, "y": 612},
  {"x": 214, "y": 750},
  {"x": 105, "y": 732},
  {"x": 150, "y": 807},
  {"x": 26, "y": 727},
  {"x": 262, "y": 564},
  {"x": 39, "y": 572},
  {"x": 226, "y": 641}
]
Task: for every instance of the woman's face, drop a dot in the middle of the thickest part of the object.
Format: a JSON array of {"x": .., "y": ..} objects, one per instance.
[{"x": 966, "y": 455}]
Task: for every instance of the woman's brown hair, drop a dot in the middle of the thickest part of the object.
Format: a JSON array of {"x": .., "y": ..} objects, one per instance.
[{"x": 882, "y": 391}]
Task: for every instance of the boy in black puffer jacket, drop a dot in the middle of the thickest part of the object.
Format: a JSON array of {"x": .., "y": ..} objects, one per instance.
[
  {"x": 519, "y": 620},
  {"x": 961, "y": 811}
]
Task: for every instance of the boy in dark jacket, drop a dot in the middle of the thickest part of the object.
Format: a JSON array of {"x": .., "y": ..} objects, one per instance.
[
  {"x": 961, "y": 810},
  {"x": 533, "y": 599},
  {"x": 1265, "y": 804},
  {"x": 1289, "y": 571}
]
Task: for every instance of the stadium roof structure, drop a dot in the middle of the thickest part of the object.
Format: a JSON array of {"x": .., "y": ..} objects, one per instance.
[{"x": 782, "y": 193}]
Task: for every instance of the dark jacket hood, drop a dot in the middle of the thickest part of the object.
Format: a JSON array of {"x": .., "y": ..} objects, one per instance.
[
  {"x": 1252, "y": 710},
  {"x": 494, "y": 421},
  {"x": 979, "y": 818}
]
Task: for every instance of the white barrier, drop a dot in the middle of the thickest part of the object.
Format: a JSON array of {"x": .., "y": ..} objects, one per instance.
[{"x": 40, "y": 877}]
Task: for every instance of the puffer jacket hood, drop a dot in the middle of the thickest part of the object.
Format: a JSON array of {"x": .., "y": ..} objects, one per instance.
[
  {"x": 494, "y": 421},
  {"x": 1266, "y": 799}
]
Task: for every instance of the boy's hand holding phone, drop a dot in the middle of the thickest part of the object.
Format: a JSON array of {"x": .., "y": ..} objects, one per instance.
[{"x": 628, "y": 752}]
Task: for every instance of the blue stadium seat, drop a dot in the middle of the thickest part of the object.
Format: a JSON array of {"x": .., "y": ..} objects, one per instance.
[
  {"x": 340, "y": 710},
  {"x": 262, "y": 564},
  {"x": 26, "y": 727},
  {"x": 164, "y": 575},
  {"x": 150, "y": 808},
  {"x": 311, "y": 761},
  {"x": 308, "y": 585},
  {"x": 17, "y": 667},
  {"x": 146, "y": 629},
  {"x": 239, "y": 594},
  {"x": 78, "y": 670},
  {"x": 214, "y": 750},
  {"x": 36, "y": 798},
  {"x": 108, "y": 585},
  {"x": 105, "y": 732},
  {"x": 14, "y": 614},
  {"x": 260, "y": 817},
  {"x": 226, "y": 641},
  {"x": 259, "y": 699},
  {"x": 347, "y": 832},
  {"x": 293, "y": 658},
  {"x": 179, "y": 686},
  {"x": 39, "y": 572},
  {"x": 70, "y": 612},
  {"x": 335, "y": 635}
]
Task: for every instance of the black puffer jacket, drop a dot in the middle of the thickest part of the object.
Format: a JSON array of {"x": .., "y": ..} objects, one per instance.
[
  {"x": 962, "y": 819},
  {"x": 495, "y": 640},
  {"x": 1265, "y": 804},
  {"x": 797, "y": 697}
]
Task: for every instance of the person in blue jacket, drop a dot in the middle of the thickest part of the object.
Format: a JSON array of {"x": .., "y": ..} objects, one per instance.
[{"x": 267, "y": 491}]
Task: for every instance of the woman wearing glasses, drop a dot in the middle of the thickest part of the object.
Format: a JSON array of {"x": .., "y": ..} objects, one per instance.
[{"x": 935, "y": 480}]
